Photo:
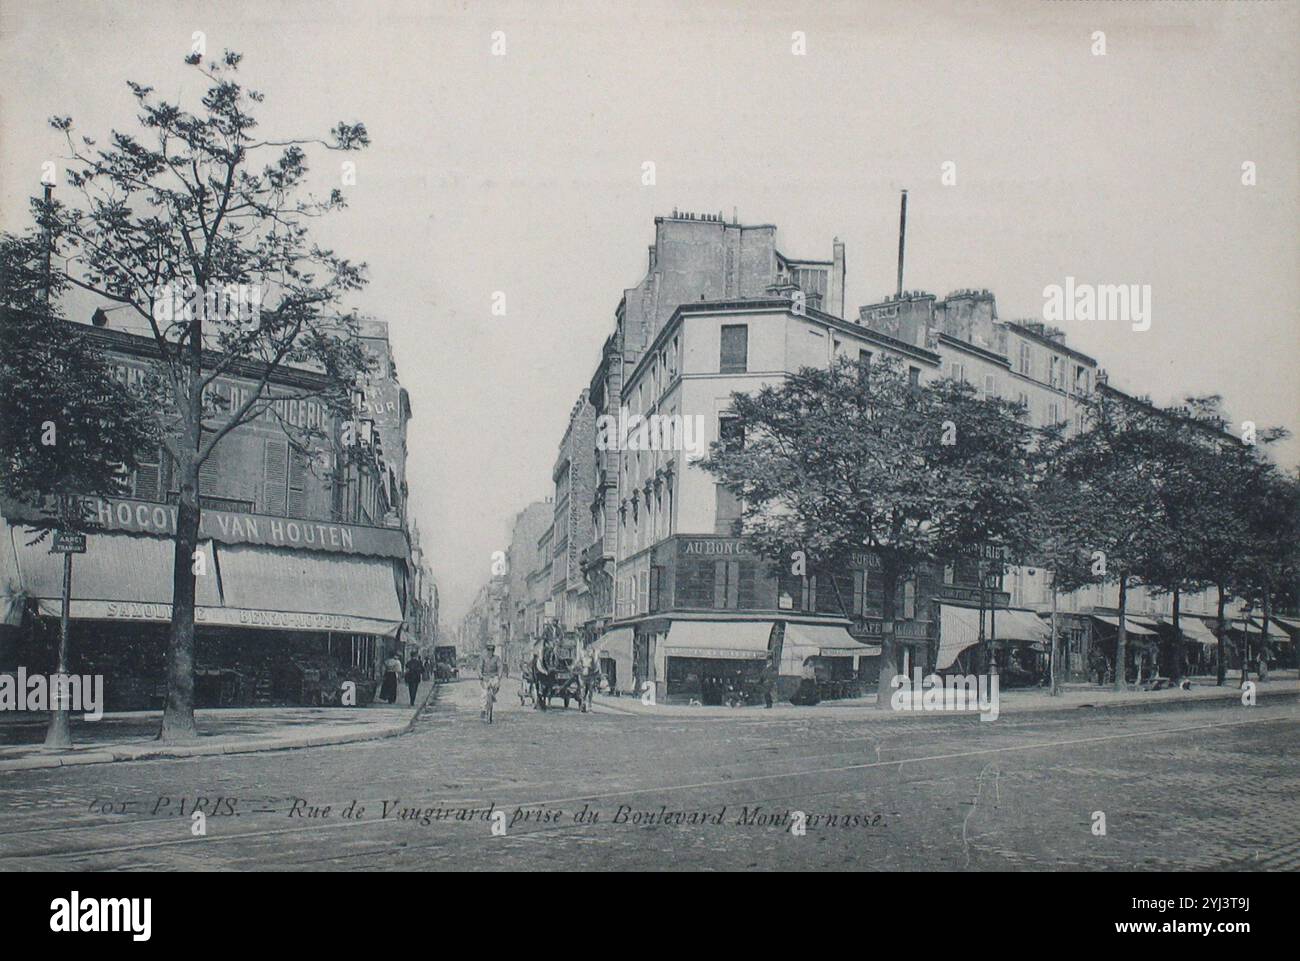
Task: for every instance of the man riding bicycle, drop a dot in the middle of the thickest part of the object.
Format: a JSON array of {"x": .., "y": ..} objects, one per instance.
[{"x": 489, "y": 675}]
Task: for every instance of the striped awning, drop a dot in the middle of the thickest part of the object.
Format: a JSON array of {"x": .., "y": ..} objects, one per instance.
[
  {"x": 1131, "y": 626},
  {"x": 127, "y": 577},
  {"x": 732, "y": 640}
]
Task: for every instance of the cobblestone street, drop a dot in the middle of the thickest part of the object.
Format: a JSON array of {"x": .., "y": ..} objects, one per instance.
[{"x": 1196, "y": 787}]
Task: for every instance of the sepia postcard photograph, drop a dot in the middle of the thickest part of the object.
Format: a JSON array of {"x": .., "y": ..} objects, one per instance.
[{"x": 650, "y": 436}]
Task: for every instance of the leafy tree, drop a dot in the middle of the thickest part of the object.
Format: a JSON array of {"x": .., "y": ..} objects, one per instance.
[
  {"x": 67, "y": 427},
  {"x": 190, "y": 207},
  {"x": 1065, "y": 527},
  {"x": 1268, "y": 567},
  {"x": 848, "y": 458},
  {"x": 1232, "y": 480},
  {"x": 1116, "y": 503}
]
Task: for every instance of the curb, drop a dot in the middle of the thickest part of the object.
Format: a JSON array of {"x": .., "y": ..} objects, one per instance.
[
  {"x": 149, "y": 752},
  {"x": 869, "y": 713}
]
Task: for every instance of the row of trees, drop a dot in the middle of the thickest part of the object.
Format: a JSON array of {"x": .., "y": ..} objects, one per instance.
[
  {"x": 852, "y": 458},
  {"x": 191, "y": 205}
]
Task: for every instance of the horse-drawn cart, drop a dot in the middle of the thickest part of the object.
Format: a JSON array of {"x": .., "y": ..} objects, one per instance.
[{"x": 539, "y": 686}]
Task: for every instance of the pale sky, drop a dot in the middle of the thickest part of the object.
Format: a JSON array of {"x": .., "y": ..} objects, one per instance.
[{"x": 522, "y": 173}]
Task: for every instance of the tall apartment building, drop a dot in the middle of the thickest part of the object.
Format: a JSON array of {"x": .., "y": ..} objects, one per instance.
[
  {"x": 524, "y": 557},
  {"x": 573, "y": 477},
  {"x": 676, "y": 597}
]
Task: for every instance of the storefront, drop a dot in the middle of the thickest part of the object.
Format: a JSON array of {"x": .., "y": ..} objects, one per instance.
[
  {"x": 1141, "y": 644},
  {"x": 702, "y": 659},
  {"x": 707, "y": 660},
  {"x": 829, "y": 655},
  {"x": 273, "y": 624},
  {"x": 614, "y": 654},
  {"x": 1016, "y": 640}
]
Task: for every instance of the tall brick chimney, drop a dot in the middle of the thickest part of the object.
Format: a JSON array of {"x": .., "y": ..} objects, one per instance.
[{"x": 835, "y": 296}]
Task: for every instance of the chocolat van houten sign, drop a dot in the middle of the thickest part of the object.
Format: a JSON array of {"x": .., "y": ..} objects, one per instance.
[{"x": 141, "y": 517}]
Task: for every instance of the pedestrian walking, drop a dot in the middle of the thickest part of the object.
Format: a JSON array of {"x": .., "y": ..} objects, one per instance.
[
  {"x": 392, "y": 668},
  {"x": 765, "y": 683},
  {"x": 414, "y": 674},
  {"x": 489, "y": 676}
]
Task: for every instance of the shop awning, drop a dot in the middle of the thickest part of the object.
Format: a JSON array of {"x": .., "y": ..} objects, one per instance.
[
  {"x": 738, "y": 640},
  {"x": 959, "y": 629},
  {"x": 1290, "y": 623},
  {"x": 1017, "y": 625},
  {"x": 1194, "y": 629},
  {"x": 125, "y": 577},
  {"x": 1130, "y": 626},
  {"x": 308, "y": 591},
  {"x": 828, "y": 640},
  {"x": 1280, "y": 629},
  {"x": 615, "y": 642},
  {"x": 120, "y": 577}
]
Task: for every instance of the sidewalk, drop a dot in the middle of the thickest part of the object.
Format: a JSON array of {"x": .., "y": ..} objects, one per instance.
[
  {"x": 1024, "y": 701},
  {"x": 129, "y": 735}
]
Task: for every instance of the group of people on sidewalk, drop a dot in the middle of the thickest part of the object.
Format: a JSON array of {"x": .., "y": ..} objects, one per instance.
[{"x": 414, "y": 672}]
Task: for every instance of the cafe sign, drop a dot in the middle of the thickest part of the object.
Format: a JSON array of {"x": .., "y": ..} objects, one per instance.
[{"x": 713, "y": 547}]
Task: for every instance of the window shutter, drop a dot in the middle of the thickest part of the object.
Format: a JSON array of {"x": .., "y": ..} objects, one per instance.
[
  {"x": 297, "y": 483},
  {"x": 210, "y": 477},
  {"x": 146, "y": 484},
  {"x": 275, "y": 476}
]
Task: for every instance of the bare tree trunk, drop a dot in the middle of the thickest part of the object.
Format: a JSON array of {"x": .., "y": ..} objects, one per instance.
[
  {"x": 1263, "y": 640},
  {"x": 1052, "y": 664},
  {"x": 1179, "y": 644},
  {"x": 178, "y": 713},
  {"x": 1245, "y": 648},
  {"x": 1223, "y": 654},
  {"x": 888, "y": 646},
  {"x": 1121, "y": 651}
]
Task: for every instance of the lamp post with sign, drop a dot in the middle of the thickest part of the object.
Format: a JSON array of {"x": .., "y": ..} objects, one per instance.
[{"x": 67, "y": 542}]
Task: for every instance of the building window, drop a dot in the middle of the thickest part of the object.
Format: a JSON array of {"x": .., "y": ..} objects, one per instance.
[
  {"x": 1058, "y": 373},
  {"x": 735, "y": 349},
  {"x": 1026, "y": 359},
  {"x": 990, "y": 386},
  {"x": 958, "y": 373},
  {"x": 147, "y": 481},
  {"x": 914, "y": 376}
]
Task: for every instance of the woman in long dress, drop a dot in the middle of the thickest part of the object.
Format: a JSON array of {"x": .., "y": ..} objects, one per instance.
[{"x": 392, "y": 668}]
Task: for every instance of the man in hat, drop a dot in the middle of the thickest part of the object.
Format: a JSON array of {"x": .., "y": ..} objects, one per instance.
[{"x": 489, "y": 675}]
